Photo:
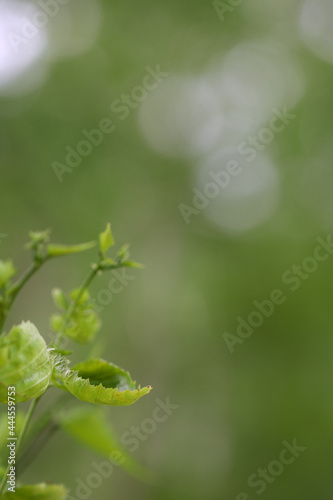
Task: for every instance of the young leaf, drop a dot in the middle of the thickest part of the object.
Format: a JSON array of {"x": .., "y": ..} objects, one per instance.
[
  {"x": 60, "y": 250},
  {"x": 7, "y": 271},
  {"x": 38, "y": 238},
  {"x": 83, "y": 323},
  {"x": 85, "y": 296},
  {"x": 59, "y": 298},
  {"x": 106, "y": 239},
  {"x": 82, "y": 327},
  {"x": 97, "y": 381},
  {"x": 123, "y": 253},
  {"x": 40, "y": 491},
  {"x": 123, "y": 257},
  {"x": 90, "y": 427},
  {"x": 24, "y": 363}
]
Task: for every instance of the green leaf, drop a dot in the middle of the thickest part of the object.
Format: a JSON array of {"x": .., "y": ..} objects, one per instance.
[
  {"x": 82, "y": 327},
  {"x": 40, "y": 491},
  {"x": 97, "y": 381},
  {"x": 60, "y": 250},
  {"x": 123, "y": 253},
  {"x": 84, "y": 298},
  {"x": 106, "y": 239},
  {"x": 24, "y": 363},
  {"x": 90, "y": 427},
  {"x": 100, "y": 371},
  {"x": 7, "y": 271},
  {"x": 123, "y": 257},
  {"x": 83, "y": 323}
]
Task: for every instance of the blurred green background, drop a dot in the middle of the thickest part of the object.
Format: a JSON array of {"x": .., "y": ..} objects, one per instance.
[{"x": 229, "y": 67}]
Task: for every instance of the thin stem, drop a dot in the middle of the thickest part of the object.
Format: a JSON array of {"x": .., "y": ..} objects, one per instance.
[
  {"x": 100, "y": 266},
  {"x": 26, "y": 423},
  {"x": 20, "y": 438},
  {"x": 16, "y": 288},
  {"x": 75, "y": 302}
]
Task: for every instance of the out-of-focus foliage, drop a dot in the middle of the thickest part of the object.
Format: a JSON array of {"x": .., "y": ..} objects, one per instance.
[{"x": 90, "y": 427}]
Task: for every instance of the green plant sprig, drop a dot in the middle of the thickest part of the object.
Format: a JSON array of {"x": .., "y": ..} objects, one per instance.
[
  {"x": 27, "y": 364},
  {"x": 42, "y": 252}
]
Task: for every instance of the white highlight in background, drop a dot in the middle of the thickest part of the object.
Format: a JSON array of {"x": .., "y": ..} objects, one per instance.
[
  {"x": 250, "y": 198},
  {"x": 316, "y": 27},
  {"x": 21, "y": 67},
  {"x": 189, "y": 117}
]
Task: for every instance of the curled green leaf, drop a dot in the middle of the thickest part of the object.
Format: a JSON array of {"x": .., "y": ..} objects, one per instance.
[
  {"x": 7, "y": 271},
  {"x": 24, "y": 363},
  {"x": 97, "y": 381},
  {"x": 40, "y": 491}
]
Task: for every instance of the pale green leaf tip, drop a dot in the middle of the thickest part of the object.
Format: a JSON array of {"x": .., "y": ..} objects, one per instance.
[
  {"x": 59, "y": 298},
  {"x": 106, "y": 239}
]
